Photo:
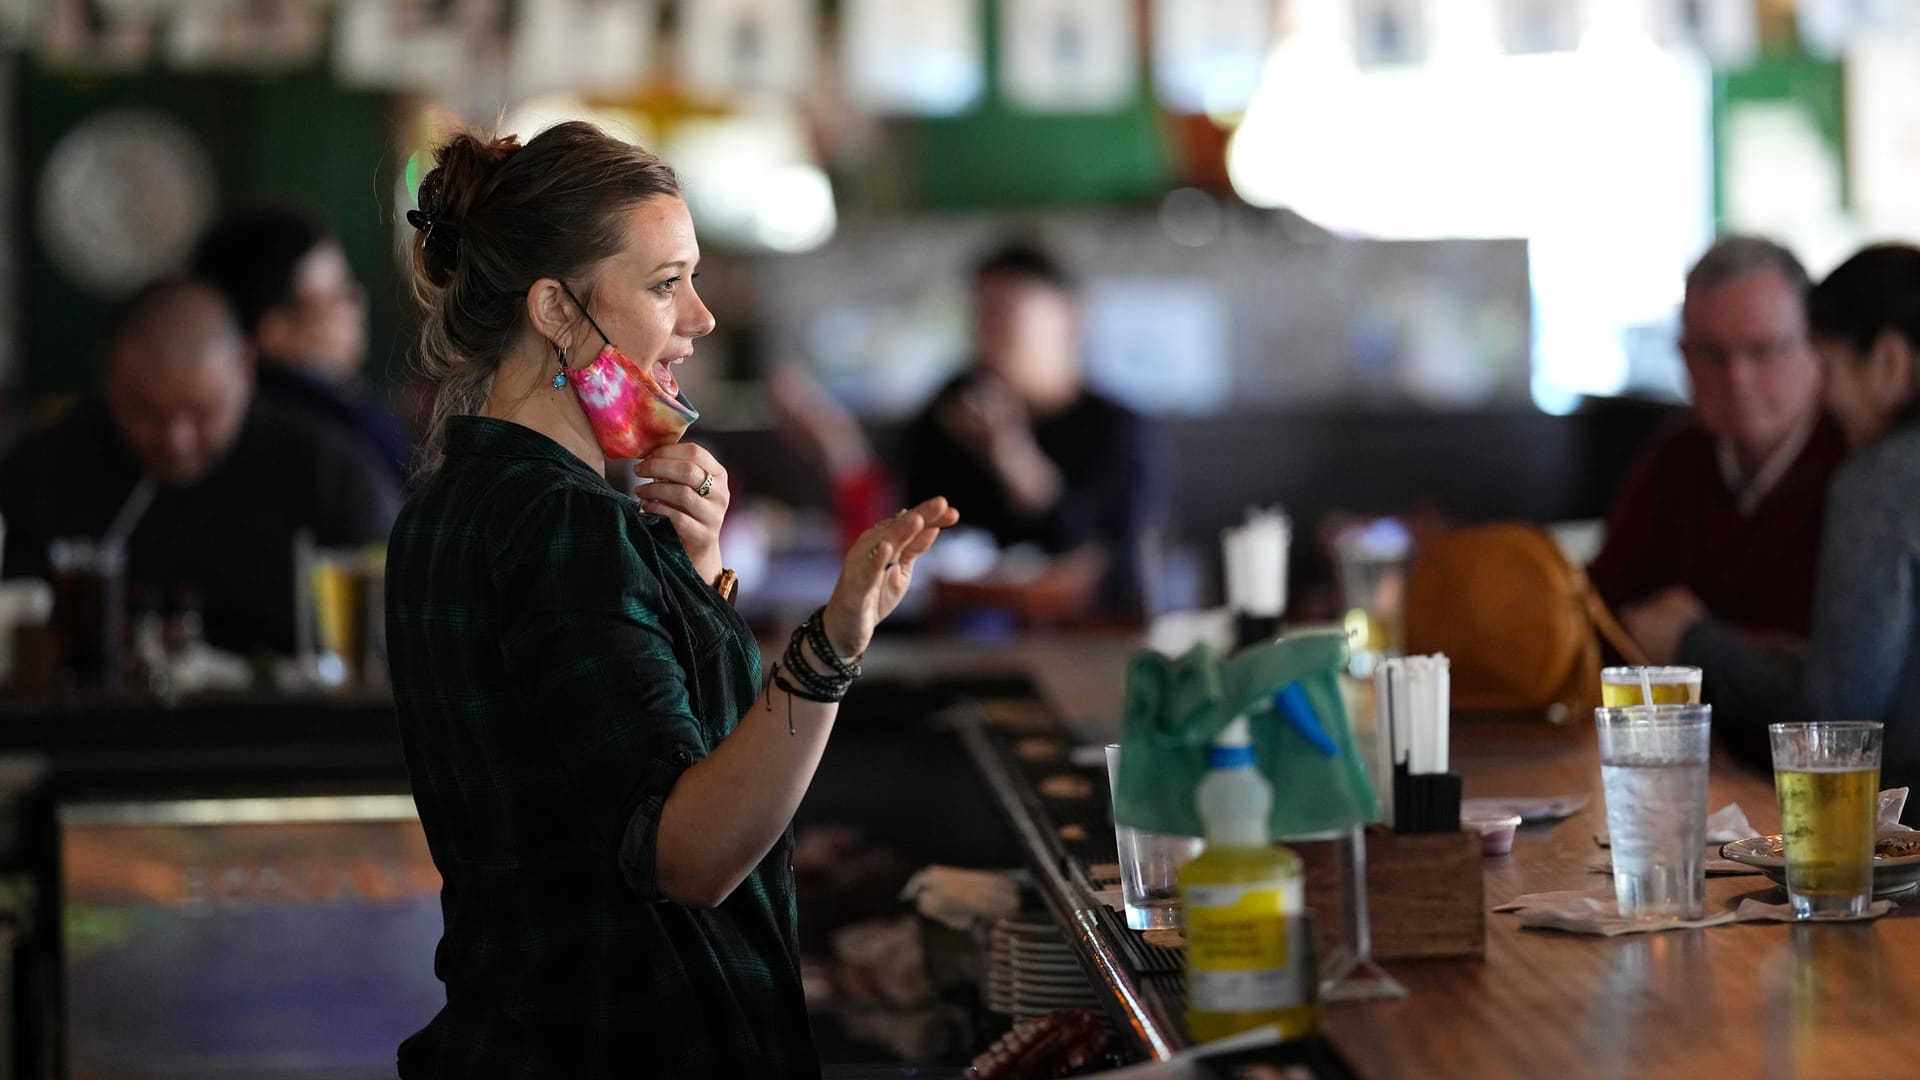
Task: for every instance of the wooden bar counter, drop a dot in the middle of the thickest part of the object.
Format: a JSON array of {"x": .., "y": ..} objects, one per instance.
[
  {"x": 1748, "y": 1000},
  {"x": 1745, "y": 1000}
]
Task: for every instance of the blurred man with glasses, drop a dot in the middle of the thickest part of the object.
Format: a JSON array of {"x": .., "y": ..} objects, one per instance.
[{"x": 1721, "y": 513}]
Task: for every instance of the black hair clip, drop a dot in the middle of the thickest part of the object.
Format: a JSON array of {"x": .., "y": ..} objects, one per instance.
[{"x": 442, "y": 237}]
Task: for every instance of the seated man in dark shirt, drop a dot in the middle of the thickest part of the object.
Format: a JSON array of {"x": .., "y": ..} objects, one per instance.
[
  {"x": 233, "y": 477},
  {"x": 296, "y": 298},
  {"x": 1022, "y": 443},
  {"x": 1727, "y": 505}
]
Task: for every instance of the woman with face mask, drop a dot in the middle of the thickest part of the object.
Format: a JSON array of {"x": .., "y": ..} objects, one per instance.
[
  {"x": 604, "y": 773},
  {"x": 1864, "y": 661}
]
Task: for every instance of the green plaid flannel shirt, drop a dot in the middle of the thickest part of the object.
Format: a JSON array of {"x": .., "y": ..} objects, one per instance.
[{"x": 557, "y": 662}]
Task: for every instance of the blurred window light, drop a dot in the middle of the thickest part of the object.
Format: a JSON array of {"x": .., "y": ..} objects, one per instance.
[
  {"x": 794, "y": 210},
  {"x": 1882, "y": 93},
  {"x": 1778, "y": 167},
  {"x": 1539, "y": 26},
  {"x": 582, "y": 44},
  {"x": 750, "y": 181},
  {"x": 1727, "y": 31},
  {"x": 1601, "y": 158},
  {"x": 1068, "y": 55},
  {"x": 422, "y": 44},
  {"x": 1829, "y": 27},
  {"x": 1208, "y": 54},
  {"x": 1389, "y": 33},
  {"x": 919, "y": 59},
  {"x": 730, "y": 47},
  {"x": 1781, "y": 177},
  {"x": 245, "y": 34},
  {"x": 537, "y": 114},
  {"x": 1159, "y": 345}
]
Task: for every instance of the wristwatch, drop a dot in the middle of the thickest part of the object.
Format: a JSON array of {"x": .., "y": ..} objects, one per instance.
[{"x": 727, "y": 584}]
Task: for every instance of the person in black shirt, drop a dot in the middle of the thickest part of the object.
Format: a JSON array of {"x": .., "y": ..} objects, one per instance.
[
  {"x": 605, "y": 772},
  {"x": 1022, "y": 442},
  {"x": 234, "y": 477},
  {"x": 299, "y": 304}
]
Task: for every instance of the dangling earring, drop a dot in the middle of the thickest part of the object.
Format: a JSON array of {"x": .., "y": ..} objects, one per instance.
[{"x": 560, "y": 377}]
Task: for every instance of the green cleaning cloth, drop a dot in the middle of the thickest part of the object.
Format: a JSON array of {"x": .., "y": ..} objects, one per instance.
[{"x": 1175, "y": 708}]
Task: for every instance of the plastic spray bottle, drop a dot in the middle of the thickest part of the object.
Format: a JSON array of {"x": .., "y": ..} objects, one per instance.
[{"x": 1249, "y": 950}]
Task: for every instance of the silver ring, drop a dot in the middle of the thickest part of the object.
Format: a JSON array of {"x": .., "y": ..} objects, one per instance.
[{"x": 706, "y": 487}]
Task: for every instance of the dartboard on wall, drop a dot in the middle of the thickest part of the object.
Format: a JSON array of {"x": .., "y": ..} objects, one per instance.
[{"x": 122, "y": 198}]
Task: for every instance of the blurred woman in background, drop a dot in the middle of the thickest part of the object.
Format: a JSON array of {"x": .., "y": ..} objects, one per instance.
[{"x": 1865, "y": 323}]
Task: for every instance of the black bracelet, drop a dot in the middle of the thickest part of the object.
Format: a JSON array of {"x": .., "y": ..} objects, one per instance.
[
  {"x": 817, "y": 689},
  {"x": 780, "y": 680},
  {"x": 816, "y": 628},
  {"x": 819, "y": 686}
]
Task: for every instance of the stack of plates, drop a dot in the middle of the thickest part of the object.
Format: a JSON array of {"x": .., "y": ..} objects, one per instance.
[{"x": 1031, "y": 971}]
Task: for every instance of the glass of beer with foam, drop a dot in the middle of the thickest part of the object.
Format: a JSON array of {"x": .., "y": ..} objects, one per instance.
[{"x": 1827, "y": 777}]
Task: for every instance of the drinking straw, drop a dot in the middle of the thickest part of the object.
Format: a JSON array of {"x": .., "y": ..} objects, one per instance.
[
  {"x": 130, "y": 513},
  {"x": 1646, "y": 686}
]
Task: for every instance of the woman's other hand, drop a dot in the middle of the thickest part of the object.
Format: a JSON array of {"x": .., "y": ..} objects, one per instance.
[
  {"x": 681, "y": 493},
  {"x": 877, "y": 572}
]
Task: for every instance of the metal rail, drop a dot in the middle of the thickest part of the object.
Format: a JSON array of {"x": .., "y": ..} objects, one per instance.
[{"x": 1073, "y": 909}]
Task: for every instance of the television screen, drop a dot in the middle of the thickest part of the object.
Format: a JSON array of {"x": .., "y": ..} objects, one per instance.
[{"x": 246, "y": 937}]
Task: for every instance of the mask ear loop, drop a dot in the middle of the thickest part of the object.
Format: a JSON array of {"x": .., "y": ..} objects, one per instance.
[{"x": 589, "y": 315}]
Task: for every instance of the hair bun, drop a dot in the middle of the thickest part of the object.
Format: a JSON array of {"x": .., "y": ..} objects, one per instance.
[{"x": 464, "y": 169}]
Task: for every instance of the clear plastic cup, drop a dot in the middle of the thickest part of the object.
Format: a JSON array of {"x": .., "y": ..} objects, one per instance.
[
  {"x": 1150, "y": 865},
  {"x": 1653, "y": 763}
]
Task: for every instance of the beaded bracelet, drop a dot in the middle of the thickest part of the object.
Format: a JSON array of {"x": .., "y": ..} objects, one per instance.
[
  {"x": 809, "y": 684},
  {"x": 816, "y": 629}
]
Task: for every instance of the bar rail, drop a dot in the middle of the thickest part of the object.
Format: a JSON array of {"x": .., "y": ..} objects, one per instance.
[{"x": 1133, "y": 1010}]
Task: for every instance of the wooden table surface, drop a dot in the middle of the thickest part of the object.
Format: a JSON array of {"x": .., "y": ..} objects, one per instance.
[
  {"x": 1750, "y": 1000},
  {"x": 1762, "y": 1000}
]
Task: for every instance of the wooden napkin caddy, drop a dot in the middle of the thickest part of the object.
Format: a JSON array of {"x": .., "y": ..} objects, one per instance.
[{"x": 1426, "y": 893}]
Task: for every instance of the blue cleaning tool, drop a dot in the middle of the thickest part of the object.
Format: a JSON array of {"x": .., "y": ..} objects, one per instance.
[{"x": 1291, "y": 702}]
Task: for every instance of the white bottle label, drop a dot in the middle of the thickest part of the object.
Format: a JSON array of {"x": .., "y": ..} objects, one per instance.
[{"x": 1242, "y": 951}]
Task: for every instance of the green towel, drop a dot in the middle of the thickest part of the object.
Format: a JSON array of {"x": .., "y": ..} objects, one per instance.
[{"x": 1175, "y": 708}]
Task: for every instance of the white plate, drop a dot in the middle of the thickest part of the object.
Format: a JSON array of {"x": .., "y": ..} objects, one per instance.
[{"x": 1891, "y": 876}]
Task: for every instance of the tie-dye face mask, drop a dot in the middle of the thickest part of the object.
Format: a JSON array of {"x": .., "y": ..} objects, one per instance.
[{"x": 634, "y": 410}]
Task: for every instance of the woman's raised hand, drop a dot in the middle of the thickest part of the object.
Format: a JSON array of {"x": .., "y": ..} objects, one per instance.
[{"x": 878, "y": 569}]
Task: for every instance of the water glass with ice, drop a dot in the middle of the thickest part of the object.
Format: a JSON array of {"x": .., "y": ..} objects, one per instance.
[{"x": 1653, "y": 763}]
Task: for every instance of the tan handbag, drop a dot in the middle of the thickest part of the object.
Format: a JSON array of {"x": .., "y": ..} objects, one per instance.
[{"x": 1520, "y": 624}]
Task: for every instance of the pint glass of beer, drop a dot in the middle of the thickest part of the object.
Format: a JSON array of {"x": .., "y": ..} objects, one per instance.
[{"x": 1827, "y": 777}]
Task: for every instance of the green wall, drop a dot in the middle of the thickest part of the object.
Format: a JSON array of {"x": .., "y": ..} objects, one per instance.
[
  {"x": 995, "y": 156},
  {"x": 297, "y": 138}
]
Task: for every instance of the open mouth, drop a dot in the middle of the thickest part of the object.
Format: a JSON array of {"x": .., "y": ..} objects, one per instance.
[
  {"x": 666, "y": 390},
  {"x": 663, "y": 375}
]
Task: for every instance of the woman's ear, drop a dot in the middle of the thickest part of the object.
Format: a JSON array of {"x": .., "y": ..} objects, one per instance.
[
  {"x": 1891, "y": 365},
  {"x": 550, "y": 312}
]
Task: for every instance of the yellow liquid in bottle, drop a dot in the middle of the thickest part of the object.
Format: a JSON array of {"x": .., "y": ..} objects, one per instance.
[{"x": 1249, "y": 963}]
